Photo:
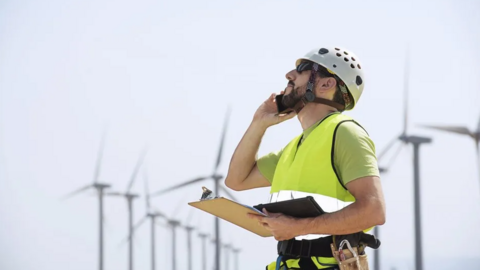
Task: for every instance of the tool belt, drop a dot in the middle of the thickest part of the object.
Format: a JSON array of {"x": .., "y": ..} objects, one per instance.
[
  {"x": 321, "y": 247},
  {"x": 305, "y": 248}
]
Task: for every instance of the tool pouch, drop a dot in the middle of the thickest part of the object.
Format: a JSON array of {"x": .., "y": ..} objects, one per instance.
[{"x": 352, "y": 261}]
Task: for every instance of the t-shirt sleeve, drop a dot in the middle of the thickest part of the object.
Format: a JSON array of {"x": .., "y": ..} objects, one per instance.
[
  {"x": 268, "y": 163},
  {"x": 354, "y": 153}
]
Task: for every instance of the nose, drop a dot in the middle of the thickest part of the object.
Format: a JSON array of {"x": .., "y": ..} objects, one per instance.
[{"x": 291, "y": 75}]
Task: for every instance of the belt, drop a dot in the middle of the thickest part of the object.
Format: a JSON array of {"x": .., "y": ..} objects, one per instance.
[{"x": 305, "y": 248}]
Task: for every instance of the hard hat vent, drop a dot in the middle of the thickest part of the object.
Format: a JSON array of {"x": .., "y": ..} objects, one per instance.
[
  {"x": 358, "y": 80},
  {"x": 323, "y": 51}
]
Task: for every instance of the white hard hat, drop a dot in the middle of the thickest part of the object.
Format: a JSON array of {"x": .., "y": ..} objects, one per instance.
[{"x": 344, "y": 64}]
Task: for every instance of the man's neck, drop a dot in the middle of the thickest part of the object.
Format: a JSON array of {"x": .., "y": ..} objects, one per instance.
[{"x": 312, "y": 113}]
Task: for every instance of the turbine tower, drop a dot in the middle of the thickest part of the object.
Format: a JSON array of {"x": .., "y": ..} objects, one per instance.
[
  {"x": 100, "y": 188},
  {"x": 130, "y": 197},
  {"x": 235, "y": 256},
  {"x": 189, "y": 230},
  {"x": 216, "y": 177},
  {"x": 204, "y": 237},
  {"x": 173, "y": 226},
  {"x": 152, "y": 214},
  {"x": 416, "y": 141}
]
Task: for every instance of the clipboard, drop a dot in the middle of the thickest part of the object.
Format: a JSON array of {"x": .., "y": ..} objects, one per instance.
[{"x": 236, "y": 213}]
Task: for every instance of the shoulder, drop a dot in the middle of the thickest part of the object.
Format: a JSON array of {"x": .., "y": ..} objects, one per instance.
[
  {"x": 350, "y": 134},
  {"x": 268, "y": 163},
  {"x": 351, "y": 131},
  {"x": 354, "y": 152}
]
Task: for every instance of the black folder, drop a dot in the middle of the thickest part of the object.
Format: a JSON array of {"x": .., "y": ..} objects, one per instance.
[{"x": 299, "y": 208}]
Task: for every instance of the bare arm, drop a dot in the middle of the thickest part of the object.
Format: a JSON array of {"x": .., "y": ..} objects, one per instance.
[
  {"x": 243, "y": 172},
  {"x": 368, "y": 210}
]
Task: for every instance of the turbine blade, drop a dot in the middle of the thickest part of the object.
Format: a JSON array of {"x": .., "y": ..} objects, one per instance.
[
  {"x": 228, "y": 193},
  {"x": 222, "y": 141},
  {"x": 477, "y": 144},
  {"x": 147, "y": 194},
  {"x": 189, "y": 217},
  {"x": 163, "y": 225},
  {"x": 452, "y": 129},
  {"x": 114, "y": 194},
  {"x": 477, "y": 148},
  {"x": 394, "y": 157},
  {"x": 137, "y": 225},
  {"x": 99, "y": 157},
  {"x": 137, "y": 167},
  {"x": 386, "y": 149},
  {"x": 478, "y": 125},
  {"x": 158, "y": 213},
  {"x": 405, "y": 92},
  {"x": 178, "y": 186},
  {"x": 75, "y": 192},
  {"x": 177, "y": 209}
]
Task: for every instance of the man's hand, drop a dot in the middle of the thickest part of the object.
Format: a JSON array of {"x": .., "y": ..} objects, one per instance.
[
  {"x": 267, "y": 114},
  {"x": 282, "y": 227}
]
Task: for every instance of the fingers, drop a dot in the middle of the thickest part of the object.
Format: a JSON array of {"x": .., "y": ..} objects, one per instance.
[
  {"x": 279, "y": 238},
  {"x": 284, "y": 117},
  {"x": 262, "y": 221},
  {"x": 256, "y": 217}
]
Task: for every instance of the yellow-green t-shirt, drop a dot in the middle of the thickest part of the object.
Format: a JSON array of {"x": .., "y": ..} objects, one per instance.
[{"x": 354, "y": 154}]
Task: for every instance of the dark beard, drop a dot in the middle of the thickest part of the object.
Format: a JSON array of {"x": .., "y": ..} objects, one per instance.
[{"x": 294, "y": 97}]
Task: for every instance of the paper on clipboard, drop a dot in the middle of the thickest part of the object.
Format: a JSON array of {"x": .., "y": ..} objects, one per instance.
[{"x": 234, "y": 213}]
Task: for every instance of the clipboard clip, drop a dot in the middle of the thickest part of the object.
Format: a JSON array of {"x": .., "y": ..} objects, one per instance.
[{"x": 207, "y": 194}]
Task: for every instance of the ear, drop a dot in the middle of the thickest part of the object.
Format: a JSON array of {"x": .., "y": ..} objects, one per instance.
[{"x": 325, "y": 84}]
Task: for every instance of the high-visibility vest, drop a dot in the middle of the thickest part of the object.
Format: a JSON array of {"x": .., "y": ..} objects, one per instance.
[{"x": 308, "y": 170}]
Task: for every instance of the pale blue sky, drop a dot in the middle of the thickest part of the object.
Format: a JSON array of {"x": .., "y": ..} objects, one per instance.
[{"x": 163, "y": 73}]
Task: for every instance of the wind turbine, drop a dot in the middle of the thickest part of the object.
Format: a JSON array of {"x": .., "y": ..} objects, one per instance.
[
  {"x": 173, "y": 226},
  {"x": 462, "y": 130},
  {"x": 130, "y": 197},
  {"x": 151, "y": 214},
  {"x": 216, "y": 177},
  {"x": 204, "y": 237},
  {"x": 227, "y": 248},
  {"x": 235, "y": 256},
  {"x": 189, "y": 229},
  {"x": 416, "y": 141},
  {"x": 384, "y": 169},
  {"x": 100, "y": 187}
]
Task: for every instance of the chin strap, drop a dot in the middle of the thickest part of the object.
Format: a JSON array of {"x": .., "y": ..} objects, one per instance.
[
  {"x": 299, "y": 106},
  {"x": 310, "y": 96}
]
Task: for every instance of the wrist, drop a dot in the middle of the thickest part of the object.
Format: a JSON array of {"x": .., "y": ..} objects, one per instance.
[
  {"x": 305, "y": 226},
  {"x": 258, "y": 126}
]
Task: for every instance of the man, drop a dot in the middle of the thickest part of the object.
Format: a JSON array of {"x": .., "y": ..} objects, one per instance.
[{"x": 333, "y": 160}]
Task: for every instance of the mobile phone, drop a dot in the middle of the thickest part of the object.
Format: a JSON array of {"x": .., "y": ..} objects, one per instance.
[{"x": 281, "y": 108}]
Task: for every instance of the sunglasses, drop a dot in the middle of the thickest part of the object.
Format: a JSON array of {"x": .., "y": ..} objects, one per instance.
[{"x": 307, "y": 65}]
